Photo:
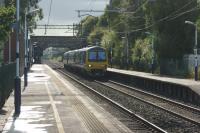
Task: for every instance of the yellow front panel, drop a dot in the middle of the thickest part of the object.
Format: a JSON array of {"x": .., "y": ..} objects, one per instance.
[{"x": 96, "y": 65}]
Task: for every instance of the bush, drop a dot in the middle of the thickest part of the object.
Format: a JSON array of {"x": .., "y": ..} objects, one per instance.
[{"x": 142, "y": 55}]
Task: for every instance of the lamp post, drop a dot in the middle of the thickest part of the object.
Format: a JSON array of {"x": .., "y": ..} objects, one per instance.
[
  {"x": 26, "y": 46},
  {"x": 17, "y": 93},
  {"x": 25, "y": 50},
  {"x": 111, "y": 54},
  {"x": 153, "y": 52},
  {"x": 195, "y": 51}
]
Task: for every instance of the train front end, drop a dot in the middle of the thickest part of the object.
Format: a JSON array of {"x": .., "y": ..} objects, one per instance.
[{"x": 97, "y": 61}]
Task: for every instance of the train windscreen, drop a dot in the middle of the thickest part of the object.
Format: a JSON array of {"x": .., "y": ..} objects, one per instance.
[{"x": 97, "y": 56}]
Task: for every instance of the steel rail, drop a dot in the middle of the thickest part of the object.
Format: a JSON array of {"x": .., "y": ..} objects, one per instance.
[
  {"x": 181, "y": 105},
  {"x": 162, "y": 108}
]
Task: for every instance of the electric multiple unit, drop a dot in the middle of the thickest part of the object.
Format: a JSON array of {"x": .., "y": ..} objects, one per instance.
[{"x": 92, "y": 60}]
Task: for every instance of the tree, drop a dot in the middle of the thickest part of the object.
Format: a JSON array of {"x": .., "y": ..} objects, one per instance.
[
  {"x": 7, "y": 17},
  {"x": 6, "y": 21},
  {"x": 87, "y": 25},
  {"x": 142, "y": 54},
  {"x": 168, "y": 19},
  {"x": 165, "y": 19},
  {"x": 95, "y": 36},
  {"x": 28, "y": 6}
]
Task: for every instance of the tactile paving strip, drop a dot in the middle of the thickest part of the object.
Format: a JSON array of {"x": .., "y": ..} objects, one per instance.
[{"x": 90, "y": 121}]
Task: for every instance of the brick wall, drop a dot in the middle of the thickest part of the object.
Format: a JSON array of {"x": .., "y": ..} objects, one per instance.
[{"x": 13, "y": 51}]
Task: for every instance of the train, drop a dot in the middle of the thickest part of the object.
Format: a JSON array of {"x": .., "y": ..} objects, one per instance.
[{"x": 91, "y": 60}]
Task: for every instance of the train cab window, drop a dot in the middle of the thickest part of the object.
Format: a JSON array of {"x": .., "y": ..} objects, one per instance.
[
  {"x": 92, "y": 56},
  {"x": 97, "y": 56},
  {"x": 101, "y": 55}
]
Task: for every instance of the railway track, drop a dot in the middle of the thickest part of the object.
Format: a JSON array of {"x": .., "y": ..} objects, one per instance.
[
  {"x": 138, "y": 123},
  {"x": 185, "y": 112},
  {"x": 179, "y": 111},
  {"x": 148, "y": 126}
]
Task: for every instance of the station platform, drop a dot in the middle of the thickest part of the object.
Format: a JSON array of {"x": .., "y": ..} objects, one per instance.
[
  {"x": 184, "y": 89},
  {"x": 186, "y": 82},
  {"x": 51, "y": 104}
]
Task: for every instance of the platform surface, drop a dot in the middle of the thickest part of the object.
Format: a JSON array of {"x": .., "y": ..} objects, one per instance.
[{"x": 51, "y": 104}]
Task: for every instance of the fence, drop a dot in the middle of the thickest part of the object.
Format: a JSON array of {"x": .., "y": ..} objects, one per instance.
[
  {"x": 174, "y": 67},
  {"x": 7, "y": 76}
]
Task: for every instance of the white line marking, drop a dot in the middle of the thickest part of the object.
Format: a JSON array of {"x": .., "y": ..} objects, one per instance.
[{"x": 58, "y": 120}]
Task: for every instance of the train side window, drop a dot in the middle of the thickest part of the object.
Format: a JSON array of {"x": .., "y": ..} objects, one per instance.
[
  {"x": 74, "y": 56},
  {"x": 80, "y": 57},
  {"x": 67, "y": 58},
  {"x": 70, "y": 57}
]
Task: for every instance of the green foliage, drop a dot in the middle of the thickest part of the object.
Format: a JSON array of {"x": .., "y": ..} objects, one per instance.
[
  {"x": 142, "y": 54},
  {"x": 110, "y": 41},
  {"x": 109, "y": 38},
  {"x": 174, "y": 36},
  {"x": 6, "y": 20},
  {"x": 88, "y": 25},
  {"x": 164, "y": 19},
  {"x": 118, "y": 55},
  {"x": 95, "y": 36},
  {"x": 28, "y": 6},
  {"x": 103, "y": 21}
]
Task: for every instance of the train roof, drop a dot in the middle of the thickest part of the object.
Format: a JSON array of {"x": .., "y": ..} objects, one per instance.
[{"x": 84, "y": 49}]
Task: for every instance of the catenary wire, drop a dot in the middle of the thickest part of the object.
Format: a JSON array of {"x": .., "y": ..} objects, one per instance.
[
  {"x": 167, "y": 18},
  {"x": 49, "y": 12},
  {"x": 138, "y": 8}
]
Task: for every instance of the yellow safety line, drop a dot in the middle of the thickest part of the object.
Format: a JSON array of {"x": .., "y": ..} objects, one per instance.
[{"x": 56, "y": 115}]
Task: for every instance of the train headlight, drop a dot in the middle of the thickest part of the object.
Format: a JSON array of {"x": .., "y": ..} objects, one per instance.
[{"x": 89, "y": 65}]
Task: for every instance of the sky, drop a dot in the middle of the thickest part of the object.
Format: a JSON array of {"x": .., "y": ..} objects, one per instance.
[{"x": 63, "y": 12}]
